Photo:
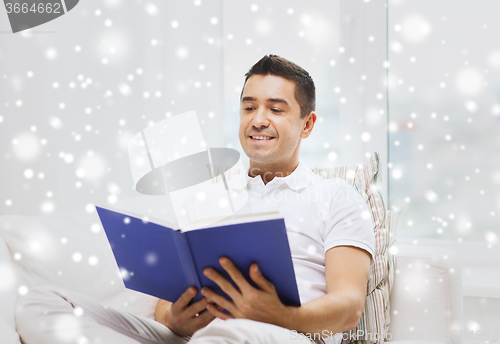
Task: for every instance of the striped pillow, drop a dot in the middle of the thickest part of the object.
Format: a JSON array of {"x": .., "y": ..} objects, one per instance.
[{"x": 374, "y": 323}]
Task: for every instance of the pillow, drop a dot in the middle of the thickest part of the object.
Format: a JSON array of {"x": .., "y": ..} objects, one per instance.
[
  {"x": 8, "y": 298},
  {"x": 70, "y": 250},
  {"x": 374, "y": 323}
]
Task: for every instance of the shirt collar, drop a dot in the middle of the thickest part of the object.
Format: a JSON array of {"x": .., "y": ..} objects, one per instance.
[{"x": 300, "y": 178}]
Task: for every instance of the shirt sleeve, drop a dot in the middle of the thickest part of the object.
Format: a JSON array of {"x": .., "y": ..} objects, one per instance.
[{"x": 349, "y": 221}]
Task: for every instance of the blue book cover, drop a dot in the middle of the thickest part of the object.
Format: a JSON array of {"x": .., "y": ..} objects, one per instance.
[{"x": 161, "y": 261}]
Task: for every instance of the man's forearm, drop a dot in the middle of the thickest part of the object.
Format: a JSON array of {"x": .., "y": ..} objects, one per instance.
[
  {"x": 162, "y": 308},
  {"x": 334, "y": 312}
]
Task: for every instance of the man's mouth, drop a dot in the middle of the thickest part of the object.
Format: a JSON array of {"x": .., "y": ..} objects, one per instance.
[{"x": 261, "y": 138}]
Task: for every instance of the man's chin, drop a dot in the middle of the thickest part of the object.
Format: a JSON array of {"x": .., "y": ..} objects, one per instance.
[
  {"x": 262, "y": 158},
  {"x": 261, "y": 155}
]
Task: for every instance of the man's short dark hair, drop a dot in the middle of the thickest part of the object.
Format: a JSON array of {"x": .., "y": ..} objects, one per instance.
[{"x": 305, "y": 91}]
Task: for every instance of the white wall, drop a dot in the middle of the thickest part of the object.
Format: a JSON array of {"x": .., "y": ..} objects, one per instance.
[{"x": 73, "y": 91}]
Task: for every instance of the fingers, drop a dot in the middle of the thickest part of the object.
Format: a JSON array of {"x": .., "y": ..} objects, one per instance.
[
  {"x": 234, "y": 273},
  {"x": 203, "y": 319},
  {"x": 211, "y": 303},
  {"x": 218, "y": 312},
  {"x": 184, "y": 299},
  {"x": 223, "y": 283},
  {"x": 259, "y": 279},
  {"x": 212, "y": 318},
  {"x": 196, "y": 307},
  {"x": 218, "y": 299}
]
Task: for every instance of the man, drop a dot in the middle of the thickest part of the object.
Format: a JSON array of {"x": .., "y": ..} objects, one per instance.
[
  {"x": 277, "y": 112},
  {"x": 330, "y": 241}
]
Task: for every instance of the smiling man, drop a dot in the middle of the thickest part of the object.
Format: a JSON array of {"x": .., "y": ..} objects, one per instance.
[
  {"x": 331, "y": 243},
  {"x": 272, "y": 124}
]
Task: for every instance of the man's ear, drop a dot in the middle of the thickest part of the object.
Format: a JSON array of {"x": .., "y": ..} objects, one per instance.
[{"x": 308, "y": 125}]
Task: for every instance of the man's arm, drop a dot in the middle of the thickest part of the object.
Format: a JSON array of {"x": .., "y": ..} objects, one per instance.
[
  {"x": 162, "y": 311},
  {"x": 347, "y": 273}
]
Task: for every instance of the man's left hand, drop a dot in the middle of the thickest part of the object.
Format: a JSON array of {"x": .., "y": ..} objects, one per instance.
[{"x": 248, "y": 302}]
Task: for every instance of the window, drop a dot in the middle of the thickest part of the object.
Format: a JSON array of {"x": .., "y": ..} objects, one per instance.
[{"x": 444, "y": 130}]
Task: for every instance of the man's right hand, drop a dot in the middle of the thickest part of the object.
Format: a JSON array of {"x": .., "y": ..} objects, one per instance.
[{"x": 184, "y": 320}]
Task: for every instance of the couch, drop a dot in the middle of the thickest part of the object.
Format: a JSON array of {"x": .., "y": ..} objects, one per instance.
[{"x": 71, "y": 250}]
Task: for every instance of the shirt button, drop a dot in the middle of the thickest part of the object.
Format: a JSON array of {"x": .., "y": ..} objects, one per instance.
[{"x": 261, "y": 200}]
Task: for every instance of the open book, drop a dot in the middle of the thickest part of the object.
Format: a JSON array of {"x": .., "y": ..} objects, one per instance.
[{"x": 162, "y": 261}]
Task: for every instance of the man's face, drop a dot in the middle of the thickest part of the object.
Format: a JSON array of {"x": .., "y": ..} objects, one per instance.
[{"x": 269, "y": 108}]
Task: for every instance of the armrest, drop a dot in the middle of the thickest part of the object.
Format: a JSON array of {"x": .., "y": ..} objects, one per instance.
[{"x": 426, "y": 299}]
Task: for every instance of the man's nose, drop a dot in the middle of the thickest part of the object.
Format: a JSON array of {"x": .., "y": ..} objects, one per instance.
[{"x": 260, "y": 119}]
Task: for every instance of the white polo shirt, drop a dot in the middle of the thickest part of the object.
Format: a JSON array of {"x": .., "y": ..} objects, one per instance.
[{"x": 319, "y": 215}]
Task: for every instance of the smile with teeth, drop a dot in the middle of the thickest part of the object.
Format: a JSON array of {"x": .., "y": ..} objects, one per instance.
[{"x": 262, "y": 137}]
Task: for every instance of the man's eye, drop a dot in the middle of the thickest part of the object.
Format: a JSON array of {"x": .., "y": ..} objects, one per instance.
[
  {"x": 276, "y": 110},
  {"x": 248, "y": 109}
]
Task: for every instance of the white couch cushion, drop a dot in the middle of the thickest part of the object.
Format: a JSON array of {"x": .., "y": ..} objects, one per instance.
[
  {"x": 426, "y": 302},
  {"x": 70, "y": 251},
  {"x": 8, "y": 297}
]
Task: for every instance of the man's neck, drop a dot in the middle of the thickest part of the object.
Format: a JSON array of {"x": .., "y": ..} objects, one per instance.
[{"x": 268, "y": 171}]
